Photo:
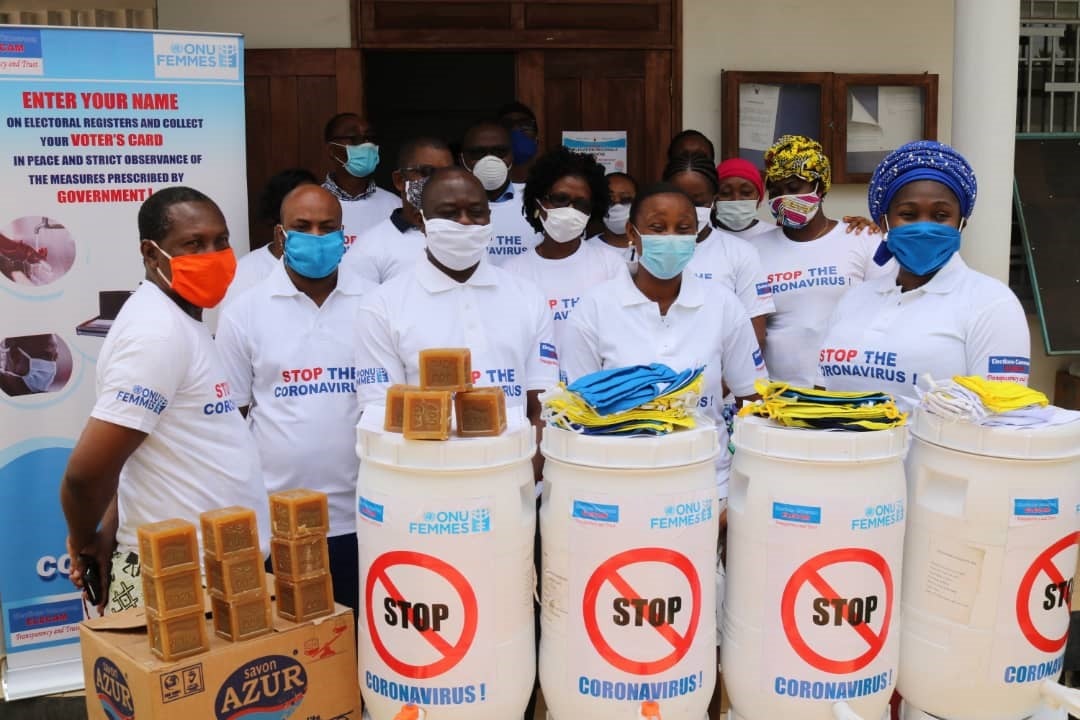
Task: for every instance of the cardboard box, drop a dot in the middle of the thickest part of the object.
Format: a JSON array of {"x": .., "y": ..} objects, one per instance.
[{"x": 300, "y": 669}]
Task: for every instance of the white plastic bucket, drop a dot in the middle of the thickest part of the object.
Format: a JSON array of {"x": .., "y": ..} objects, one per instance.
[
  {"x": 629, "y": 531},
  {"x": 990, "y": 556},
  {"x": 815, "y": 537},
  {"x": 446, "y": 534}
]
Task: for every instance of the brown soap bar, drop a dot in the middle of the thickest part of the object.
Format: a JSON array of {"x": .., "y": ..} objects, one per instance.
[
  {"x": 427, "y": 415},
  {"x": 303, "y": 600},
  {"x": 236, "y": 574},
  {"x": 242, "y": 619},
  {"x": 296, "y": 513},
  {"x": 481, "y": 412},
  {"x": 172, "y": 594},
  {"x": 302, "y": 558},
  {"x": 229, "y": 530},
  {"x": 168, "y": 545},
  {"x": 394, "y": 419},
  {"x": 172, "y": 638},
  {"x": 446, "y": 369}
]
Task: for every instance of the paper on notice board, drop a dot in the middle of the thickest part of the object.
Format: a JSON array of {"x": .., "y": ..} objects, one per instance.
[
  {"x": 899, "y": 120},
  {"x": 758, "y": 105},
  {"x": 607, "y": 146}
]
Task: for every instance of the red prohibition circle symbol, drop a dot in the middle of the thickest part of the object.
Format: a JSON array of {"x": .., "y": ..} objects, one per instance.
[
  {"x": 1044, "y": 563},
  {"x": 810, "y": 572},
  {"x": 608, "y": 572},
  {"x": 452, "y": 653}
]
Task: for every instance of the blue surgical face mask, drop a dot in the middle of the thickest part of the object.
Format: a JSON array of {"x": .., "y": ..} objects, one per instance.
[
  {"x": 361, "y": 160},
  {"x": 524, "y": 147},
  {"x": 314, "y": 256},
  {"x": 665, "y": 256},
  {"x": 922, "y": 248}
]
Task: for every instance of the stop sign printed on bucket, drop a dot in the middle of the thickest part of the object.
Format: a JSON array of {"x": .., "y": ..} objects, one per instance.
[
  {"x": 834, "y": 582},
  {"x": 643, "y": 590}
]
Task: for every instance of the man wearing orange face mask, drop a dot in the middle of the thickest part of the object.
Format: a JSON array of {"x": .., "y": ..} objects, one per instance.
[{"x": 165, "y": 439}]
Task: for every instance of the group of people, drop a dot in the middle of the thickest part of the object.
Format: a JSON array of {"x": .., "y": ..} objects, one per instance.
[{"x": 541, "y": 264}]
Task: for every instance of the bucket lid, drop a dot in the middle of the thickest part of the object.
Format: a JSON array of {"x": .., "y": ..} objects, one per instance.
[
  {"x": 373, "y": 444},
  {"x": 677, "y": 449},
  {"x": 1055, "y": 442},
  {"x": 766, "y": 437}
]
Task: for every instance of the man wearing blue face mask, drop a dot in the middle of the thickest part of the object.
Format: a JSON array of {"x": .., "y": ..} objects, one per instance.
[
  {"x": 286, "y": 345},
  {"x": 520, "y": 120},
  {"x": 354, "y": 151}
]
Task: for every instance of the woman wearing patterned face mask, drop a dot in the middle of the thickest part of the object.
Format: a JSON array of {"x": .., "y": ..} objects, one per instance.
[
  {"x": 932, "y": 314},
  {"x": 810, "y": 261}
]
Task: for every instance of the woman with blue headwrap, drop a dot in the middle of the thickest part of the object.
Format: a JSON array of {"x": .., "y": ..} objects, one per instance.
[{"x": 935, "y": 315}]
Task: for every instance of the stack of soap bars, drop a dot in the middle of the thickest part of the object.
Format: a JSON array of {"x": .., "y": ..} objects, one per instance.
[
  {"x": 235, "y": 574},
  {"x": 300, "y": 520},
  {"x": 172, "y": 589},
  {"x": 423, "y": 413}
]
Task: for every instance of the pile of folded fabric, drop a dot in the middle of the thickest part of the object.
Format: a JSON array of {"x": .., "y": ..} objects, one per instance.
[
  {"x": 636, "y": 400},
  {"x": 824, "y": 410},
  {"x": 980, "y": 401}
]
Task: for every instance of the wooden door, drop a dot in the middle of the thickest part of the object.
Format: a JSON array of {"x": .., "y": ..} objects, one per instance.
[{"x": 289, "y": 96}]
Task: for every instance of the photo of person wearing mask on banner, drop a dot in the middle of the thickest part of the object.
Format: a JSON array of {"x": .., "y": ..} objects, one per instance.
[
  {"x": 932, "y": 314},
  {"x": 135, "y": 463},
  {"x": 33, "y": 364}
]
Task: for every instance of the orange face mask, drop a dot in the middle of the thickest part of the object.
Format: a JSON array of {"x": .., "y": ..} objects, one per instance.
[{"x": 201, "y": 279}]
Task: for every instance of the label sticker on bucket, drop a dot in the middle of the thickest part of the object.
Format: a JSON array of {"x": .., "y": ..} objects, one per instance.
[{"x": 1027, "y": 510}]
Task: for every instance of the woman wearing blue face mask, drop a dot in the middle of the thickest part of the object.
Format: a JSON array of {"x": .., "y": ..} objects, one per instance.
[
  {"x": 662, "y": 314},
  {"x": 933, "y": 314}
]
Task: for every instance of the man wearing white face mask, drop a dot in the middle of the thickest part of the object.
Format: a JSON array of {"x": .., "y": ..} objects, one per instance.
[
  {"x": 354, "y": 150},
  {"x": 26, "y": 374},
  {"x": 454, "y": 297},
  {"x": 487, "y": 152},
  {"x": 565, "y": 190}
]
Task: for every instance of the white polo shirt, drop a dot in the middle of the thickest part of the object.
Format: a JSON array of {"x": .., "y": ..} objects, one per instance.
[
  {"x": 625, "y": 254},
  {"x": 761, "y": 227},
  {"x": 160, "y": 373},
  {"x": 513, "y": 234},
  {"x": 501, "y": 317},
  {"x": 363, "y": 213},
  {"x": 808, "y": 279},
  {"x": 735, "y": 264},
  {"x": 291, "y": 362},
  {"x": 615, "y": 325},
  {"x": 385, "y": 251},
  {"x": 959, "y": 323},
  {"x": 562, "y": 282},
  {"x": 251, "y": 269}
]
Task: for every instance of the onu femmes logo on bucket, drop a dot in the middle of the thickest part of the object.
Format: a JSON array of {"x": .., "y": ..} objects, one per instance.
[
  {"x": 113, "y": 691},
  {"x": 267, "y": 688}
]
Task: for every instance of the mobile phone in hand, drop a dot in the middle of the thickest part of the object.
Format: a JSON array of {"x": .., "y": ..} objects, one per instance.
[{"x": 91, "y": 579}]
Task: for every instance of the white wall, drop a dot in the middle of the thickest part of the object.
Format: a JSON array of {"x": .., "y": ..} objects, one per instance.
[
  {"x": 264, "y": 23},
  {"x": 849, "y": 36}
]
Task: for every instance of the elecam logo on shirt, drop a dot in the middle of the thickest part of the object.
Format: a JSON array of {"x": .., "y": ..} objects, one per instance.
[
  {"x": 224, "y": 403},
  {"x": 759, "y": 360},
  {"x": 548, "y": 354},
  {"x": 300, "y": 382},
  {"x": 763, "y": 289},
  {"x": 789, "y": 280}
]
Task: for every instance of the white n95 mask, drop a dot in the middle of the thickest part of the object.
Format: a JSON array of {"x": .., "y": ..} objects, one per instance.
[
  {"x": 454, "y": 245},
  {"x": 564, "y": 224},
  {"x": 617, "y": 217},
  {"x": 491, "y": 171}
]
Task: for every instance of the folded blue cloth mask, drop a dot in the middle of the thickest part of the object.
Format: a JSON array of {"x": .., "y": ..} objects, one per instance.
[{"x": 620, "y": 389}]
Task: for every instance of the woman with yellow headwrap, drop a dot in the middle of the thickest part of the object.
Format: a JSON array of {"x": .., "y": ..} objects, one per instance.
[{"x": 809, "y": 260}]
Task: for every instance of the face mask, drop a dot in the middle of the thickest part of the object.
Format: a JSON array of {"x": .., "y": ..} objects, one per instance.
[
  {"x": 314, "y": 256},
  {"x": 922, "y": 247},
  {"x": 454, "y": 245},
  {"x": 41, "y": 375},
  {"x": 665, "y": 256},
  {"x": 414, "y": 191},
  {"x": 491, "y": 171},
  {"x": 704, "y": 217},
  {"x": 736, "y": 215},
  {"x": 524, "y": 146},
  {"x": 795, "y": 211},
  {"x": 616, "y": 218},
  {"x": 200, "y": 279},
  {"x": 563, "y": 225},
  {"x": 361, "y": 160}
]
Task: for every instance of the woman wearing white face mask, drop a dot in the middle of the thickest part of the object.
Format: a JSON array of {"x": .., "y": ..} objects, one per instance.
[
  {"x": 564, "y": 192},
  {"x": 622, "y": 189},
  {"x": 810, "y": 261}
]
